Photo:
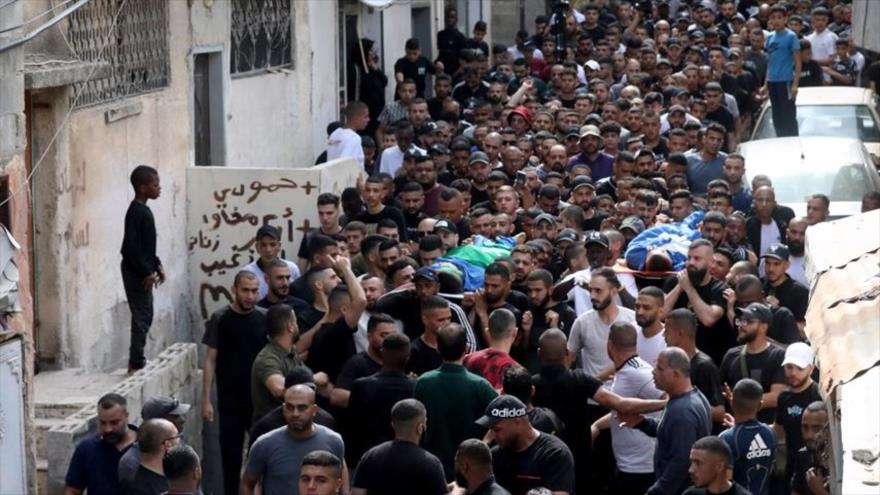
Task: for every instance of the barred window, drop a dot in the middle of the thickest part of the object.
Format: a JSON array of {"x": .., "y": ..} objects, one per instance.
[
  {"x": 261, "y": 35},
  {"x": 135, "y": 47}
]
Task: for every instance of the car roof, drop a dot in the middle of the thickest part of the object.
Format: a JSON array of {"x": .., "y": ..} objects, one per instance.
[
  {"x": 834, "y": 95},
  {"x": 814, "y": 149}
]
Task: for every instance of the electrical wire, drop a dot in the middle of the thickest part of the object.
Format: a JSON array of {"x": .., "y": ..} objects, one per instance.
[
  {"x": 70, "y": 111},
  {"x": 34, "y": 18}
]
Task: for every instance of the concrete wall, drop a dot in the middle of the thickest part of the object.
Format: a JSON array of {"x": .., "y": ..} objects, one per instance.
[
  {"x": 174, "y": 372},
  {"x": 278, "y": 119},
  {"x": 83, "y": 191}
]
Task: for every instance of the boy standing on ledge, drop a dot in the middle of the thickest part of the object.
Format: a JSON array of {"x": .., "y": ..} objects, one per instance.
[{"x": 141, "y": 268}]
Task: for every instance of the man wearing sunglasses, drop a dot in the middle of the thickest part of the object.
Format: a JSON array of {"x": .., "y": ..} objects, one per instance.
[{"x": 155, "y": 438}]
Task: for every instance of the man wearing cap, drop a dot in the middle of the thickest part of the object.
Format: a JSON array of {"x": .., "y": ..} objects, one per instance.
[
  {"x": 781, "y": 289},
  {"x": 406, "y": 305},
  {"x": 524, "y": 458},
  {"x": 453, "y": 397},
  {"x": 600, "y": 163},
  {"x": 583, "y": 191},
  {"x": 268, "y": 246},
  {"x": 156, "y": 407},
  {"x": 478, "y": 173},
  {"x": 802, "y": 391},
  {"x": 757, "y": 358},
  {"x": 448, "y": 233},
  {"x": 544, "y": 227}
]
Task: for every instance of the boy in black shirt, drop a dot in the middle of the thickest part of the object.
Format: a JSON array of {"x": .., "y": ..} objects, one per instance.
[
  {"x": 141, "y": 268},
  {"x": 811, "y": 72},
  {"x": 415, "y": 66}
]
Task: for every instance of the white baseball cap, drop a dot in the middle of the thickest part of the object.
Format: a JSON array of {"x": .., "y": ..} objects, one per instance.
[{"x": 798, "y": 354}]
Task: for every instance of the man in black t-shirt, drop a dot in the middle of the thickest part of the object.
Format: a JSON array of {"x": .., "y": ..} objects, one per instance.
[
  {"x": 711, "y": 461},
  {"x": 798, "y": 366},
  {"x": 783, "y": 328},
  {"x": 333, "y": 343},
  {"x": 400, "y": 466},
  {"x": 695, "y": 289},
  {"x": 781, "y": 289},
  {"x": 523, "y": 457},
  {"x": 810, "y": 473},
  {"x": 757, "y": 358},
  {"x": 155, "y": 437},
  {"x": 517, "y": 381},
  {"x": 374, "y": 191},
  {"x": 415, "y": 66},
  {"x": 234, "y": 336},
  {"x": 716, "y": 112},
  {"x": 328, "y": 216},
  {"x": 364, "y": 363}
]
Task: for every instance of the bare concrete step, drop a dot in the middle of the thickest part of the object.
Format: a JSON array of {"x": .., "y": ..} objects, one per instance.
[
  {"x": 56, "y": 411},
  {"x": 63, "y": 392},
  {"x": 41, "y": 428}
]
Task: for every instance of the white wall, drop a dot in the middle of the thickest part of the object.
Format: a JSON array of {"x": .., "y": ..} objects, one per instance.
[{"x": 397, "y": 28}]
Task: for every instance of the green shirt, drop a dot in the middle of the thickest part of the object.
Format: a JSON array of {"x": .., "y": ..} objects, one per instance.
[
  {"x": 454, "y": 398},
  {"x": 272, "y": 360}
]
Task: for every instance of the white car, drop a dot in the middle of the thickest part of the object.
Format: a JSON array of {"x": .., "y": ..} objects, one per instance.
[
  {"x": 840, "y": 168},
  {"x": 834, "y": 111}
]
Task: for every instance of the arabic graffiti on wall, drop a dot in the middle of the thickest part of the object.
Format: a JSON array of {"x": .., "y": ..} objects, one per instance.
[{"x": 225, "y": 208}]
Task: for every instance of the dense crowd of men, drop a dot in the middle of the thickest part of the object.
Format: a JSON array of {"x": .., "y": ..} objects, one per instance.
[{"x": 474, "y": 317}]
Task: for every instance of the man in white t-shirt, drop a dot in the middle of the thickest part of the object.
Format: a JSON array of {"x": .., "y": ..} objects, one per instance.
[
  {"x": 633, "y": 378},
  {"x": 650, "y": 340},
  {"x": 588, "y": 338},
  {"x": 268, "y": 246},
  {"x": 345, "y": 141},
  {"x": 392, "y": 158}
]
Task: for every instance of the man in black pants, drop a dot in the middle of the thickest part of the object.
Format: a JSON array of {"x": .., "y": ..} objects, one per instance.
[
  {"x": 141, "y": 268},
  {"x": 234, "y": 336}
]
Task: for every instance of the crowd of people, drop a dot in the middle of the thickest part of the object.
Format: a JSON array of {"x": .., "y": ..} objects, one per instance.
[{"x": 481, "y": 312}]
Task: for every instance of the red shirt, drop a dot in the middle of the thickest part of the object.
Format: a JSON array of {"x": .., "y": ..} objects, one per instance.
[{"x": 490, "y": 364}]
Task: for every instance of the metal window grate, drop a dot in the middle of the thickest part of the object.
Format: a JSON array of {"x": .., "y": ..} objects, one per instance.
[
  {"x": 261, "y": 35},
  {"x": 137, "y": 48}
]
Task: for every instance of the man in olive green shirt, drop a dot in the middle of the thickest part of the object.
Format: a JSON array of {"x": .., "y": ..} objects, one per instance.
[
  {"x": 454, "y": 398},
  {"x": 277, "y": 358}
]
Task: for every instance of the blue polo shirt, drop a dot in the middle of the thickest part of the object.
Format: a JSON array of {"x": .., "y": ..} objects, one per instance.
[
  {"x": 780, "y": 48},
  {"x": 95, "y": 466}
]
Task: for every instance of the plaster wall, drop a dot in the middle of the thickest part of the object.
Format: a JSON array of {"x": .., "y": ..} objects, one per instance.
[{"x": 83, "y": 191}]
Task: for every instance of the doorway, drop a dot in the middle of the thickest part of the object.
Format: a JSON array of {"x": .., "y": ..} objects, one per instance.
[{"x": 208, "y": 121}]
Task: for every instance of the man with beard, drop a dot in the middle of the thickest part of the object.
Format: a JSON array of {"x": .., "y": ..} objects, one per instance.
[
  {"x": 747, "y": 290},
  {"x": 268, "y": 246},
  {"x": 623, "y": 167},
  {"x": 426, "y": 176},
  {"x": 473, "y": 469},
  {"x": 406, "y": 305},
  {"x": 524, "y": 458},
  {"x": 546, "y": 313},
  {"x": 364, "y": 363},
  {"x": 523, "y": 257},
  {"x": 95, "y": 462},
  {"x": 802, "y": 391},
  {"x": 574, "y": 286},
  {"x": 796, "y": 235},
  {"x": 695, "y": 289},
  {"x": 590, "y": 143},
  {"x": 649, "y": 316},
  {"x": 810, "y": 474},
  {"x": 234, "y": 335},
  {"x": 155, "y": 437},
  {"x": 275, "y": 458},
  {"x": 494, "y": 295},
  {"x": 714, "y": 228},
  {"x": 555, "y": 161},
  {"x": 277, "y": 358},
  {"x": 401, "y": 466},
  {"x": 781, "y": 289},
  {"x": 478, "y": 173},
  {"x": 766, "y": 225},
  {"x": 412, "y": 196},
  {"x": 757, "y": 358},
  {"x": 733, "y": 171},
  {"x": 583, "y": 194},
  {"x": 707, "y": 164}
]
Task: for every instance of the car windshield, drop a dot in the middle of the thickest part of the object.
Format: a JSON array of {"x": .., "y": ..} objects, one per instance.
[
  {"x": 853, "y": 121},
  {"x": 792, "y": 184}
]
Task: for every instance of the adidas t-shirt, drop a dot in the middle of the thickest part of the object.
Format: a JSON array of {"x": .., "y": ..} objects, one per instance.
[{"x": 753, "y": 445}]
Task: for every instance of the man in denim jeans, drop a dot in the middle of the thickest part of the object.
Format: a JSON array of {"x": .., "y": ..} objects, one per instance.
[{"x": 784, "y": 61}]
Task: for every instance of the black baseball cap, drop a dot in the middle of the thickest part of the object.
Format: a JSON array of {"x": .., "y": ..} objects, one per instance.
[
  {"x": 445, "y": 225},
  {"x": 778, "y": 251},
  {"x": 501, "y": 408},
  {"x": 427, "y": 273},
  {"x": 567, "y": 235},
  {"x": 439, "y": 149},
  {"x": 478, "y": 157},
  {"x": 160, "y": 406},
  {"x": 545, "y": 217},
  {"x": 755, "y": 311},
  {"x": 582, "y": 181},
  {"x": 633, "y": 223},
  {"x": 270, "y": 231},
  {"x": 596, "y": 237}
]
